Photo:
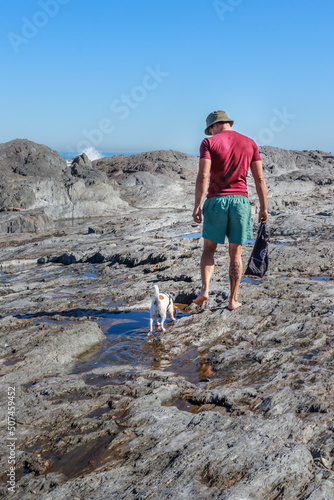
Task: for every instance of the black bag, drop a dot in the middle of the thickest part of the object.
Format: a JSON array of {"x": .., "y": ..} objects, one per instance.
[{"x": 259, "y": 260}]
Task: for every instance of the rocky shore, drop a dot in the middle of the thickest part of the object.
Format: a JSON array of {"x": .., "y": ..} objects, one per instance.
[{"x": 224, "y": 405}]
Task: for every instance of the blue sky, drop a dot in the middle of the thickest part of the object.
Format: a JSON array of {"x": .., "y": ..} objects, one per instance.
[{"x": 136, "y": 76}]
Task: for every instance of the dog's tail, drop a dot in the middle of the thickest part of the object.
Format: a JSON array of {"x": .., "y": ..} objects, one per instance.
[{"x": 156, "y": 288}]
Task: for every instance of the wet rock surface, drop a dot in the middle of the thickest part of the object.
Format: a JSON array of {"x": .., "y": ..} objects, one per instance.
[{"x": 229, "y": 405}]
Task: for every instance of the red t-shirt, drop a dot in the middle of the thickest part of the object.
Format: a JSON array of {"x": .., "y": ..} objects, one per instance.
[{"x": 231, "y": 155}]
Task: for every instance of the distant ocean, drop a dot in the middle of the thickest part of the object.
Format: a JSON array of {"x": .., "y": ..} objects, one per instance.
[{"x": 93, "y": 154}]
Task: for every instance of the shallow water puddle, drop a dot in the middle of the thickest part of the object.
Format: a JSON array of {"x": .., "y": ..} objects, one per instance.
[
  {"x": 191, "y": 366},
  {"x": 321, "y": 278},
  {"x": 84, "y": 459},
  {"x": 126, "y": 334},
  {"x": 90, "y": 456},
  {"x": 7, "y": 276},
  {"x": 182, "y": 405},
  {"x": 52, "y": 271},
  {"x": 126, "y": 337},
  {"x": 190, "y": 236},
  {"x": 102, "y": 381},
  {"x": 247, "y": 279},
  {"x": 126, "y": 341},
  {"x": 124, "y": 322},
  {"x": 89, "y": 275},
  {"x": 70, "y": 397}
]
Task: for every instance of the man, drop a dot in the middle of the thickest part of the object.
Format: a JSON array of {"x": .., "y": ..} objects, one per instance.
[{"x": 225, "y": 159}]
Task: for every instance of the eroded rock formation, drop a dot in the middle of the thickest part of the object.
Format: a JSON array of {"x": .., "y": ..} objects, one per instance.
[{"x": 33, "y": 177}]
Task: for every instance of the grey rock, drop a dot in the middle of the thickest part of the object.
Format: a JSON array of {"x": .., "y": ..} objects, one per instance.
[
  {"x": 33, "y": 177},
  {"x": 25, "y": 158},
  {"x": 55, "y": 349},
  {"x": 323, "y": 491},
  {"x": 170, "y": 163},
  {"x": 155, "y": 179},
  {"x": 82, "y": 168},
  {"x": 277, "y": 161}
]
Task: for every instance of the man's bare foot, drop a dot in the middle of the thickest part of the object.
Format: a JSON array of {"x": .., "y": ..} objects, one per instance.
[
  {"x": 199, "y": 301},
  {"x": 234, "y": 305}
]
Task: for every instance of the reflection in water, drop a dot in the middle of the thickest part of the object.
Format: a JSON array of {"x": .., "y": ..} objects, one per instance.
[
  {"x": 205, "y": 370},
  {"x": 117, "y": 323},
  {"x": 126, "y": 342}
]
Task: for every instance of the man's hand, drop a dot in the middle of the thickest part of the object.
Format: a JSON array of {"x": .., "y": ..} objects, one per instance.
[
  {"x": 263, "y": 216},
  {"x": 197, "y": 215}
]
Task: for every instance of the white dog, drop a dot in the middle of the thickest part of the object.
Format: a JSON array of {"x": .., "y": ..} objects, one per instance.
[{"x": 162, "y": 304}]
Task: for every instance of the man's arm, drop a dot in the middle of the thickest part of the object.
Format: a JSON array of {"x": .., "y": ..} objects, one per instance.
[
  {"x": 201, "y": 187},
  {"x": 261, "y": 189}
]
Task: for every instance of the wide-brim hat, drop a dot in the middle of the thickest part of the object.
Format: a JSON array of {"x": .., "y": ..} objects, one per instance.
[{"x": 215, "y": 117}]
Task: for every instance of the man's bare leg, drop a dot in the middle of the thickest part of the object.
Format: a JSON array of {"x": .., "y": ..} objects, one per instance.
[
  {"x": 235, "y": 273},
  {"x": 207, "y": 268}
]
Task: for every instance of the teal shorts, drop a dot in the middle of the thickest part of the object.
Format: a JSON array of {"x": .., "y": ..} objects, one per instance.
[{"x": 227, "y": 216}]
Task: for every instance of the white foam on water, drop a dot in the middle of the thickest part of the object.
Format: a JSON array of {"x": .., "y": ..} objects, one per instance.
[{"x": 92, "y": 153}]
